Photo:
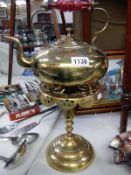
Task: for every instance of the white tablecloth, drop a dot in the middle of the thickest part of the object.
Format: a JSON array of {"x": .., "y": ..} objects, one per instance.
[
  {"x": 99, "y": 129},
  {"x": 7, "y": 149}
]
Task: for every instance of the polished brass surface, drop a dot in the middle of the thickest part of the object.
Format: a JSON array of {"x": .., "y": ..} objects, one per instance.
[
  {"x": 68, "y": 62},
  {"x": 69, "y": 98},
  {"x": 104, "y": 27},
  {"x": 69, "y": 152},
  {"x": 22, "y": 60},
  {"x": 69, "y": 71}
]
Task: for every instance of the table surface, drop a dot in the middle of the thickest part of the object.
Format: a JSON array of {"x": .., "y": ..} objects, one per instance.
[
  {"x": 6, "y": 148},
  {"x": 99, "y": 129}
]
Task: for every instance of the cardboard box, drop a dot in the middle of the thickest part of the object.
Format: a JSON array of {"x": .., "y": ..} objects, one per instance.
[
  {"x": 26, "y": 113},
  {"x": 17, "y": 103}
]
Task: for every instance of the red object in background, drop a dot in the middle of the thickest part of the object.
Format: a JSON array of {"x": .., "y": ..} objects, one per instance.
[
  {"x": 26, "y": 113},
  {"x": 71, "y": 5}
]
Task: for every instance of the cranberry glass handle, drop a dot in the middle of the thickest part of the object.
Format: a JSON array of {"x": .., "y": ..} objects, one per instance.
[{"x": 71, "y": 5}]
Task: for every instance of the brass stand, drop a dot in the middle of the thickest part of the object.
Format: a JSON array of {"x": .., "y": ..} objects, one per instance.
[
  {"x": 69, "y": 152},
  {"x": 68, "y": 82}
]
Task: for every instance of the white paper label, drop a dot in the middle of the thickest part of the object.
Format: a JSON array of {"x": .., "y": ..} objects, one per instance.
[
  {"x": 99, "y": 96},
  {"x": 80, "y": 61}
]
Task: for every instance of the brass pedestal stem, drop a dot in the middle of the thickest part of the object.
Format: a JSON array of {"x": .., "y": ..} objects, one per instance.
[{"x": 69, "y": 114}]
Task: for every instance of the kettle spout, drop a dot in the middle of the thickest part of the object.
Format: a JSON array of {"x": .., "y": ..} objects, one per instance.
[{"x": 21, "y": 59}]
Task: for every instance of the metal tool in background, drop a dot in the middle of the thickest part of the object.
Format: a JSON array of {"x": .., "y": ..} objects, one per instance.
[
  {"x": 9, "y": 161},
  {"x": 12, "y": 125},
  {"x": 122, "y": 148},
  {"x": 27, "y": 138}
]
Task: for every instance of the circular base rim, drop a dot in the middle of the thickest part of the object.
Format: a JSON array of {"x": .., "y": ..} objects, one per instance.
[{"x": 65, "y": 164}]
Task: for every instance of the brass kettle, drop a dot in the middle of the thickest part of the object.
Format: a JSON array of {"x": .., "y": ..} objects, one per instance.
[
  {"x": 69, "y": 71},
  {"x": 68, "y": 62}
]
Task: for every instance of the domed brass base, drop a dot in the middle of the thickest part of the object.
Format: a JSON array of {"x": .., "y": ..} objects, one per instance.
[{"x": 69, "y": 154}]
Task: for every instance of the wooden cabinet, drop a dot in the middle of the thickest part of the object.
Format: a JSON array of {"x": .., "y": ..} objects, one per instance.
[
  {"x": 125, "y": 23},
  {"x": 115, "y": 33},
  {"x": 126, "y": 96}
]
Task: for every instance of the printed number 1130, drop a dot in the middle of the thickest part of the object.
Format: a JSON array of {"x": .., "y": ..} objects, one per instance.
[{"x": 80, "y": 61}]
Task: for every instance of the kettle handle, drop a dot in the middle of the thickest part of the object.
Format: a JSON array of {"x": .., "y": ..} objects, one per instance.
[
  {"x": 105, "y": 26},
  {"x": 53, "y": 16},
  {"x": 35, "y": 13}
]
